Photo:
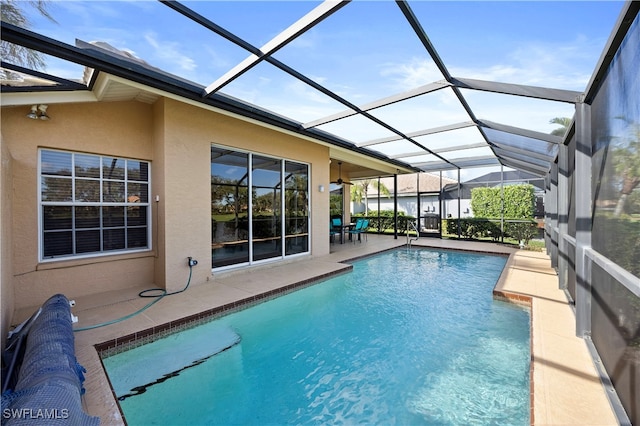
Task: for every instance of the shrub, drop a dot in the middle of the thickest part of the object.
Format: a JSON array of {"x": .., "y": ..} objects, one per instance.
[
  {"x": 474, "y": 227},
  {"x": 519, "y": 202},
  {"x": 521, "y": 231}
]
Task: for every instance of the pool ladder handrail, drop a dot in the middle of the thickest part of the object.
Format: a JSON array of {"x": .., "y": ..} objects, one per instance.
[{"x": 410, "y": 239}]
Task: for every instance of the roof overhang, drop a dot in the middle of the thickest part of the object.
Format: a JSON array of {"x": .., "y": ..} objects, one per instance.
[{"x": 116, "y": 78}]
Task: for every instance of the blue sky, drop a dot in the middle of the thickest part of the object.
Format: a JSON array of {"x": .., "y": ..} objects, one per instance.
[{"x": 364, "y": 52}]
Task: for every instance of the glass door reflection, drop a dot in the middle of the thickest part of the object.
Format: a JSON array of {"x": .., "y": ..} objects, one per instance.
[
  {"x": 266, "y": 209},
  {"x": 229, "y": 207},
  {"x": 296, "y": 212}
]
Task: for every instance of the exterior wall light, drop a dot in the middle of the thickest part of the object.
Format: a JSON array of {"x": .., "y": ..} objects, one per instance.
[
  {"x": 34, "y": 113},
  {"x": 39, "y": 112}
]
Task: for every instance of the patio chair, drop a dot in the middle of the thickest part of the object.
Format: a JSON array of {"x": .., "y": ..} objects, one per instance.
[
  {"x": 335, "y": 228},
  {"x": 357, "y": 230},
  {"x": 365, "y": 227}
]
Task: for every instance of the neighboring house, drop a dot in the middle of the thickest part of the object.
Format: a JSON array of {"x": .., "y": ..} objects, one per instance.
[
  {"x": 492, "y": 180},
  {"x": 428, "y": 186}
]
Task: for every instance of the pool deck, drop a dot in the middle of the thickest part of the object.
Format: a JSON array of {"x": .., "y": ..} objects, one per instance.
[{"x": 566, "y": 389}]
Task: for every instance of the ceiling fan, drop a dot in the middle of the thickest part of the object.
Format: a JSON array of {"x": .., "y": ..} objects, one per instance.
[{"x": 340, "y": 181}]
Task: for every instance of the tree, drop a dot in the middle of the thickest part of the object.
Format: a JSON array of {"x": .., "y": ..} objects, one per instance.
[
  {"x": 12, "y": 13},
  {"x": 626, "y": 160},
  {"x": 295, "y": 195},
  {"x": 564, "y": 122},
  {"x": 358, "y": 194},
  {"x": 360, "y": 191}
]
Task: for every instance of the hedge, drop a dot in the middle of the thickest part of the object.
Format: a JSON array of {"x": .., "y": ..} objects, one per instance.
[
  {"x": 519, "y": 202},
  {"x": 474, "y": 227}
]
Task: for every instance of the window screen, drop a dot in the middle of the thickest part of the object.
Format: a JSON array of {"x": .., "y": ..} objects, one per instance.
[{"x": 92, "y": 204}]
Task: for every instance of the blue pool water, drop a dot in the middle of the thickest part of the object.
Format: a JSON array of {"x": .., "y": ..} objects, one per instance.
[{"x": 409, "y": 337}]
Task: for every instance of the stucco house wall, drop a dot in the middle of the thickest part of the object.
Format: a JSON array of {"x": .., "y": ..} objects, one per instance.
[
  {"x": 176, "y": 138},
  {"x": 6, "y": 238}
]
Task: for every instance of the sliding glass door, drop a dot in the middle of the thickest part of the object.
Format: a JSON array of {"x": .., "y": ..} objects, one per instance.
[
  {"x": 296, "y": 207},
  {"x": 229, "y": 207},
  {"x": 265, "y": 222},
  {"x": 266, "y": 207}
]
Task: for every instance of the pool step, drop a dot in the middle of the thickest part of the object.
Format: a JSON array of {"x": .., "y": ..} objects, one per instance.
[{"x": 133, "y": 371}]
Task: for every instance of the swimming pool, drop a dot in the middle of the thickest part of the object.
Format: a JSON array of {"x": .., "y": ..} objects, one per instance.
[{"x": 408, "y": 337}]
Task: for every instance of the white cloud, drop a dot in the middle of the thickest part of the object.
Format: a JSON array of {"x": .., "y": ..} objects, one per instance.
[
  {"x": 556, "y": 65},
  {"x": 170, "y": 53},
  {"x": 415, "y": 73},
  {"x": 217, "y": 60},
  {"x": 305, "y": 92},
  {"x": 563, "y": 65},
  {"x": 264, "y": 81},
  {"x": 307, "y": 41},
  {"x": 87, "y": 12}
]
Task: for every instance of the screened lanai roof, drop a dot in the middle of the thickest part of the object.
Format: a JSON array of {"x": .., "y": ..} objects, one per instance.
[{"x": 423, "y": 85}]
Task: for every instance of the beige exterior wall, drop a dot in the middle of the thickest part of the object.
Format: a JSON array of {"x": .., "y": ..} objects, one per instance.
[
  {"x": 189, "y": 132},
  {"x": 185, "y": 196},
  {"x": 157, "y": 189},
  {"x": 176, "y": 138},
  {"x": 119, "y": 129},
  {"x": 6, "y": 238}
]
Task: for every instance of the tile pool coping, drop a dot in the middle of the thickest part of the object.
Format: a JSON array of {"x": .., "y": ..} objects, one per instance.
[
  {"x": 139, "y": 338},
  {"x": 133, "y": 340},
  {"x": 526, "y": 301}
]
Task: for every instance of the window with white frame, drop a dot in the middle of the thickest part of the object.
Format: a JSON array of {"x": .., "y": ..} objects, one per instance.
[{"x": 92, "y": 204}]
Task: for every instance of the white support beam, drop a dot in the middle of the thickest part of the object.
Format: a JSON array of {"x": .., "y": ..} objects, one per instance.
[
  {"x": 558, "y": 95},
  {"x": 441, "y": 150},
  {"x": 427, "y": 88},
  {"x": 546, "y": 137},
  {"x": 518, "y": 151},
  {"x": 425, "y": 132},
  {"x": 527, "y": 167},
  {"x": 507, "y": 156},
  {"x": 485, "y": 160},
  {"x": 325, "y": 9}
]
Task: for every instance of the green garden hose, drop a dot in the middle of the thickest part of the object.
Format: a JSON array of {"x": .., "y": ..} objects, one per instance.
[{"x": 143, "y": 293}]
